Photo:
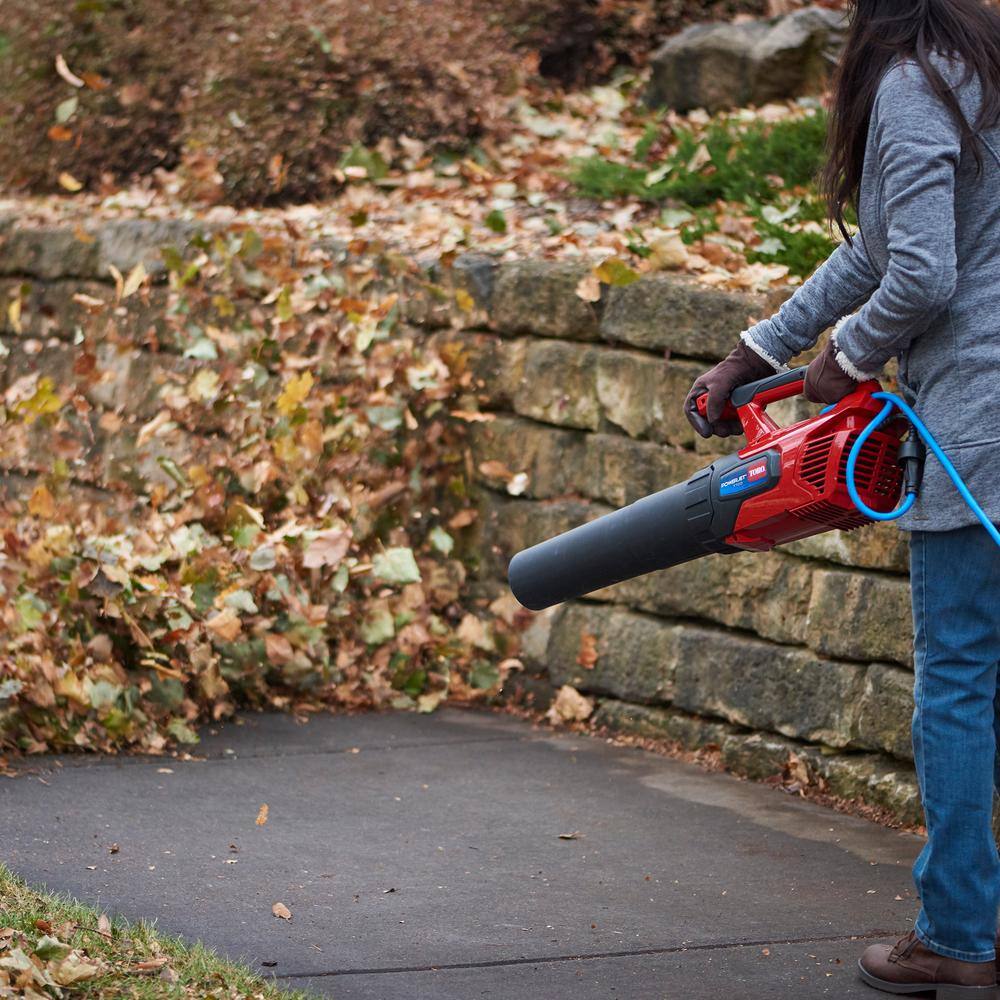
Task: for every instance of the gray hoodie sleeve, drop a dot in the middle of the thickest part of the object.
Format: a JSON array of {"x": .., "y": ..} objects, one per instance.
[
  {"x": 919, "y": 148},
  {"x": 837, "y": 287}
]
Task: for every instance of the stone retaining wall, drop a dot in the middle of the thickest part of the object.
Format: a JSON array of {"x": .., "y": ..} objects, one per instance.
[{"x": 795, "y": 659}]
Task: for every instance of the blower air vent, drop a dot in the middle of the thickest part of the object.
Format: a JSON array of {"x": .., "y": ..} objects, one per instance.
[
  {"x": 877, "y": 470},
  {"x": 831, "y": 516},
  {"x": 815, "y": 460}
]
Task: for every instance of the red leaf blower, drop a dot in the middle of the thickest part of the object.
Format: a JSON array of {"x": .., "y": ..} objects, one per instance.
[{"x": 787, "y": 483}]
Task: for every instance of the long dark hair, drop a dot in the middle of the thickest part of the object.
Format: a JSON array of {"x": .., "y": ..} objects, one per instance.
[{"x": 883, "y": 31}]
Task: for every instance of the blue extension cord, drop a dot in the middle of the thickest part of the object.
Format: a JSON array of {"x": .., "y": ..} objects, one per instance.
[{"x": 894, "y": 402}]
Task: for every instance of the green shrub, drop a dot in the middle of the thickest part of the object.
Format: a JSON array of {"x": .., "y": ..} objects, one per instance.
[{"x": 752, "y": 162}]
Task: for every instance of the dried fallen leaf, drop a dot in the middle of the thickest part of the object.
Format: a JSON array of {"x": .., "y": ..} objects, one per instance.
[
  {"x": 225, "y": 624},
  {"x": 327, "y": 548},
  {"x": 69, "y": 183},
  {"x": 294, "y": 394},
  {"x": 570, "y": 706},
  {"x": 14, "y": 314},
  {"x": 589, "y": 288},
  {"x": 278, "y": 648},
  {"x": 41, "y": 503},
  {"x": 134, "y": 280},
  {"x": 66, "y": 73},
  {"x": 281, "y": 911},
  {"x": 74, "y": 968},
  {"x": 494, "y": 469},
  {"x": 261, "y": 815},
  {"x": 587, "y": 653},
  {"x": 151, "y": 964},
  {"x": 463, "y": 518}
]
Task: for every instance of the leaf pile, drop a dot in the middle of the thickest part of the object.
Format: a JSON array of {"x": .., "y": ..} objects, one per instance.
[
  {"x": 282, "y": 526},
  {"x": 742, "y": 226},
  {"x": 260, "y": 101}
]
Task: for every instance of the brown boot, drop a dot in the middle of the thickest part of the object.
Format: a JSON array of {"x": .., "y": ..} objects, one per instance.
[{"x": 909, "y": 967}]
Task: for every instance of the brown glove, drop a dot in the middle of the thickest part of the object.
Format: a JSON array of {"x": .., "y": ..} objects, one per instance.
[
  {"x": 826, "y": 381},
  {"x": 742, "y": 366}
]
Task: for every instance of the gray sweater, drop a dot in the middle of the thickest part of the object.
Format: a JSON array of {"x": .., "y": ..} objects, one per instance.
[{"x": 925, "y": 278}]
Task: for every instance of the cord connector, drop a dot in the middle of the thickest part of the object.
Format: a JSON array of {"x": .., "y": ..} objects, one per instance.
[{"x": 912, "y": 455}]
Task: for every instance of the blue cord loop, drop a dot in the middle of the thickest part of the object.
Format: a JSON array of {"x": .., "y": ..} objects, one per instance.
[{"x": 892, "y": 401}]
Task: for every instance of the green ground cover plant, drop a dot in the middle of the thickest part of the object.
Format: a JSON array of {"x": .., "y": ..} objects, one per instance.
[
  {"x": 53, "y": 946},
  {"x": 766, "y": 169}
]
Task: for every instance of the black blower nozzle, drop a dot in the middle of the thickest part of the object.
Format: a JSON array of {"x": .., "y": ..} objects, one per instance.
[{"x": 665, "y": 529}]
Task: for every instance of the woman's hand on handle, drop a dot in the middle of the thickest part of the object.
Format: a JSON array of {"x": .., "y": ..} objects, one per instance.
[
  {"x": 826, "y": 381},
  {"x": 743, "y": 365}
]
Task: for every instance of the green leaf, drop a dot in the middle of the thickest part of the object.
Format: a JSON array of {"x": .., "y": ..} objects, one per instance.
[
  {"x": 172, "y": 469},
  {"x": 411, "y": 682},
  {"x": 616, "y": 273},
  {"x": 245, "y": 535},
  {"x": 182, "y": 732},
  {"x": 674, "y": 218},
  {"x": 441, "y": 540},
  {"x": 31, "y": 608},
  {"x": 369, "y": 160},
  {"x": 378, "y": 627},
  {"x": 241, "y": 600},
  {"x": 496, "y": 221},
  {"x": 251, "y": 245},
  {"x": 191, "y": 538},
  {"x": 50, "y": 948},
  {"x": 341, "y": 578},
  {"x": 321, "y": 40},
  {"x": 283, "y": 306},
  {"x": 396, "y": 565},
  {"x": 263, "y": 558},
  {"x": 770, "y": 246},
  {"x": 102, "y": 694},
  {"x": 388, "y": 418},
  {"x": 484, "y": 675},
  {"x": 66, "y": 109}
]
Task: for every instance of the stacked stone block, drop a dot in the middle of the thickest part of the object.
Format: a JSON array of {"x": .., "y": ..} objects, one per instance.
[{"x": 802, "y": 655}]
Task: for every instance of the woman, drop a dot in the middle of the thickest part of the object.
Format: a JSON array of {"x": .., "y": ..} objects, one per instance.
[{"x": 915, "y": 148}]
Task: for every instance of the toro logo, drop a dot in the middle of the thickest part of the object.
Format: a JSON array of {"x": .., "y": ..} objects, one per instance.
[{"x": 744, "y": 478}]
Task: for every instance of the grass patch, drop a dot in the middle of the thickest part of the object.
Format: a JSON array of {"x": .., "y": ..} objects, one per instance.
[
  {"x": 766, "y": 170},
  {"x": 49, "y": 943},
  {"x": 728, "y": 160}
]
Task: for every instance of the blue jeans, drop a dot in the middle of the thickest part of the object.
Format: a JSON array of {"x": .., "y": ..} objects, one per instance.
[{"x": 955, "y": 577}]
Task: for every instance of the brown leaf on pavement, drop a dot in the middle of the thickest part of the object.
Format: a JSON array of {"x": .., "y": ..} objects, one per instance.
[
  {"x": 281, "y": 911},
  {"x": 261, "y": 815}
]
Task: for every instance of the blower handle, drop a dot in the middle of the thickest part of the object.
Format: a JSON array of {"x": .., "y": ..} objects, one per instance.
[{"x": 748, "y": 402}]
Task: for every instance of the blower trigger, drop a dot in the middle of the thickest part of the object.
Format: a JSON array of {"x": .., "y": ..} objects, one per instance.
[{"x": 729, "y": 413}]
